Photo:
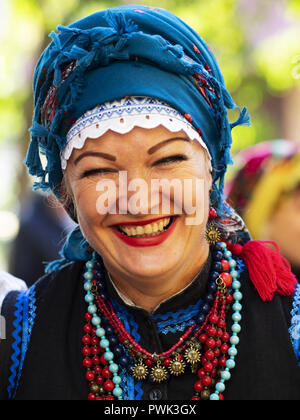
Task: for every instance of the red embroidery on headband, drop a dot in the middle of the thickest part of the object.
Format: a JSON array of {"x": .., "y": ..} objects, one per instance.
[
  {"x": 73, "y": 121},
  {"x": 188, "y": 117},
  {"x": 202, "y": 85},
  {"x": 207, "y": 68},
  {"x": 50, "y": 103},
  {"x": 203, "y": 92},
  {"x": 196, "y": 49}
]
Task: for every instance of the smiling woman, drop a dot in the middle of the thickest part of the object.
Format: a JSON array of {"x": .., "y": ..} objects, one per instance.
[{"x": 131, "y": 116}]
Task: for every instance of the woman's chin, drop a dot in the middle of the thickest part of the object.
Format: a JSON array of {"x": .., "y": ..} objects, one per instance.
[{"x": 152, "y": 264}]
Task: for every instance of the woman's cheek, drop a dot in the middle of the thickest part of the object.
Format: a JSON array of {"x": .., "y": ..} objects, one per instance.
[{"x": 86, "y": 198}]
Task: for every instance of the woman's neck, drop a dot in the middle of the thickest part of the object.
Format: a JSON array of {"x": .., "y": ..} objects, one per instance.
[{"x": 149, "y": 295}]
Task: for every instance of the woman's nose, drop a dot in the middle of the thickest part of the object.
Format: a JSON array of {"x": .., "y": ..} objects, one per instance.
[{"x": 134, "y": 195}]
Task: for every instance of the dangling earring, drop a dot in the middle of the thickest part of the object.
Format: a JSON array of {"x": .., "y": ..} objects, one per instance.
[{"x": 213, "y": 234}]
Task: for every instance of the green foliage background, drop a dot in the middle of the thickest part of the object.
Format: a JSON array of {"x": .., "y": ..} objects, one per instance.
[{"x": 257, "y": 71}]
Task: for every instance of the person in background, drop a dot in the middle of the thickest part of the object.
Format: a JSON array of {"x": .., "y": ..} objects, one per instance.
[
  {"x": 8, "y": 283},
  {"x": 44, "y": 226},
  {"x": 266, "y": 193}
]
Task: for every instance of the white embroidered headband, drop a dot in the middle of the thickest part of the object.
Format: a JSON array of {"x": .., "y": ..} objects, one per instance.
[{"x": 121, "y": 116}]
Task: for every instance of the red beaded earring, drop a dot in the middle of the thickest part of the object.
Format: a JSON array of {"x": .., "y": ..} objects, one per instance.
[{"x": 213, "y": 213}]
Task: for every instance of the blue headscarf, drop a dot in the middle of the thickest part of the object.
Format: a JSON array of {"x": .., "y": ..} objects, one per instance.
[{"x": 134, "y": 51}]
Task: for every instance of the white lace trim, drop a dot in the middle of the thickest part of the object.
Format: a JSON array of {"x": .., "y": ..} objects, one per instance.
[{"x": 121, "y": 117}]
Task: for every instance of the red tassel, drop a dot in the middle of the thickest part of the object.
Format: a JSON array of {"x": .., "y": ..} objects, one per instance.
[{"x": 268, "y": 270}]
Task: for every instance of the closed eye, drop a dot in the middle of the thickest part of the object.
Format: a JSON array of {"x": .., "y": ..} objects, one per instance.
[
  {"x": 98, "y": 171},
  {"x": 171, "y": 159}
]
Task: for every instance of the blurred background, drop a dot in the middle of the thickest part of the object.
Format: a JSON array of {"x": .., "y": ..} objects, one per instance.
[{"x": 257, "y": 44}]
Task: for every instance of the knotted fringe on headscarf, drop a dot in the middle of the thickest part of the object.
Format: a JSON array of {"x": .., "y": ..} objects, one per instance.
[
  {"x": 221, "y": 100},
  {"x": 44, "y": 142},
  {"x": 220, "y": 170},
  {"x": 268, "y": 270},
  {"x": 91, "y": 48},
  {"x": 243, "y": 119}
]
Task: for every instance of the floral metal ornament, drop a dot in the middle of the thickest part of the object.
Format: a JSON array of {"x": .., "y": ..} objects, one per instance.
[
  {"x": 140, "y": 371},
  {"x": 177, "y": 366},
  {"x": 192, "y": 356},
  {"x": 213, "y": 235},
  {"x": 159, "y": 373}
]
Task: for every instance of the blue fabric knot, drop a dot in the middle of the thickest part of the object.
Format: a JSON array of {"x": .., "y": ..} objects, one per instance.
[
  {"x": 38, "y": 130},
  {"x": 56, "y": 40},
  {"x": 119, "y": 22},
  {"x": 243, "y": 119},
  {"x": 115, "y": 52},
  {"x": 76, "y": 53},
  {"x": 176, "y": 50}
]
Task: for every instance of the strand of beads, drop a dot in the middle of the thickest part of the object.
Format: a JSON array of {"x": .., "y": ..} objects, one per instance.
[
  {"x": 214, "y": 340},
  {"x": 236, "y": 327},
  {"x": 95, "y": 336},
  {"x": 216, "y": 336}
]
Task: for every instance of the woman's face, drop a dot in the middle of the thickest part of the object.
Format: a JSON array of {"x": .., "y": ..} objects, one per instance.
[
  {"x": 284, "y": 227},
  {"x": 149, "y": 240}
]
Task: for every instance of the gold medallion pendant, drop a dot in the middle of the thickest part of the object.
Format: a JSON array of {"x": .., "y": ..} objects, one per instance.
[
  {"x": 140, "y": 371},
  {"x": 177, "y": 366},
  {"x": 213, "y": 234},
  {"x": 158, "y": 373},
  {"x": 192, "y": 356}
]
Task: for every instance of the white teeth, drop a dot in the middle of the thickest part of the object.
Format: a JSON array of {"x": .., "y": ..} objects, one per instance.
[
  {"x": 151, "y": 229},
  {"x": 148, "y": 229},
  {"x": 127, "y": 230},
  {"x": 140, "y": 230}
]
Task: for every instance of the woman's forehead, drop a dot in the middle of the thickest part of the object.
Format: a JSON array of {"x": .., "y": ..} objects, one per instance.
[{"x": 141, "y": 139}]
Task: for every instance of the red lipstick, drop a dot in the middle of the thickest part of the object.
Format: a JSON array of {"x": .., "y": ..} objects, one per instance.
[{"x": 146, "y": 241}]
